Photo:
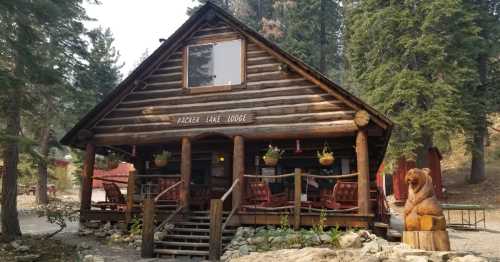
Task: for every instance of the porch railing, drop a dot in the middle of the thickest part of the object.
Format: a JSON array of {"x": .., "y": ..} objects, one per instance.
[
  {"x": 216, "y": 225},
  {"x": 297, "y": 200}
]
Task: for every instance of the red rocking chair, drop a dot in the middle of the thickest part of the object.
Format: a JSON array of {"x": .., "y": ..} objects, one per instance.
[
  {"x": 260, "y": 196},
  {"x": 114, "y": 198},
  {"x": 343, "y": 196}
]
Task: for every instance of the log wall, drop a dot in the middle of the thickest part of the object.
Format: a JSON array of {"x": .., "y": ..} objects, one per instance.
[{"x": 276, "y": 98}]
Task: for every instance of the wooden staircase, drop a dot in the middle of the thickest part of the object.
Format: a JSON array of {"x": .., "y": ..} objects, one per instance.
[{"x": 190, "y": 237}]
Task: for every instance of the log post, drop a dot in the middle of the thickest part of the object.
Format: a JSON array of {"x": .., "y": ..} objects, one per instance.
[
  {"x": 147, "y": 248},
  {"x": 297, "y": 198},
  {"x": 238, "y": 169},
  {"x": 215, "y": 249},
  {"x": 363, "y": 172},
  {"x": 185, "y": 172},
  {"x": 130, "y": 196},
  {"x": 87, "y": 174}
]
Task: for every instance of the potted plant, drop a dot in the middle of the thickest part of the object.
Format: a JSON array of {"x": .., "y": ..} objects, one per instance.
[
  {"x": 161, "y": 159},
  {"x": 325, "y": 157},
  {"x": 113, "y": 160},
  {"x": 272, "y": 155}
]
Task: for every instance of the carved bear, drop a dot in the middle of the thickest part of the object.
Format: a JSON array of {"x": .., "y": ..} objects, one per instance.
[{"x": 421, "y": 203}]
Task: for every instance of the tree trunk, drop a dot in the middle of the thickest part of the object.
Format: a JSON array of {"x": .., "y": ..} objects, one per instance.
[
  {"x": 477, "y": 170},
  {"x": 322, "y": 38},
  {"x": 423, "y": 151},
  {"x": 42, "y": 197},
  {"x": 9, "y": 216}
]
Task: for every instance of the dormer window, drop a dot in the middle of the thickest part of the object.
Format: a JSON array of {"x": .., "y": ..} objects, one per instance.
[{"x": 214, "y": 64}]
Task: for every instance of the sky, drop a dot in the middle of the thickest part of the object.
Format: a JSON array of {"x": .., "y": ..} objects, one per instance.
[{"x": 138, "y": 25}]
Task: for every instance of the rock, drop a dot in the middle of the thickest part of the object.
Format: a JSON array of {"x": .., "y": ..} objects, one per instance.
[
  {"x": 256, "y": 240},
  {"x": 443, "y": 256},
  {"x": 15, "y": 244},
  {"x": 370, "y": 248},
  {"x": 22, "y": 249},
  {"x": 27, "y": 258},
  {"x": 93, "y": 258},
  {"x": 402, "y": 251},
  {"x": 100, "y": 234},
  {"x": 229, "y": 255},
  {"x": 293, "y": 239},
  {"x": 160, "y": 235},
  {"x": 107, "y": 226},
  {"x": 83, "y": 246},
  {"x": 350, "y": 240},
  {"x": 92, "y": 224},
  {"x": 276, "y": 241},
  {"x": 244, "y": 250},
  {"x": 469, "y": 258},
  {"x": 116, "y": 237},
  {"x": 366, "y": 235},
  {"x": 417, "y": 259},
  {"x": 325, "y": 238},
  {"x": 85, "y": 232}
]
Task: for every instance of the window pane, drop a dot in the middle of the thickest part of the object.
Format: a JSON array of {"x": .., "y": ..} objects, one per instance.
[
  {"x": 227, "y": 63},
  {"x": 201, "y": 65}
]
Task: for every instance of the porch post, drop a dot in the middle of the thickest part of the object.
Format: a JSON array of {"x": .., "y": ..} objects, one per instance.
[
  {"x": 87, "y": 173},
  {"x": 363, "y": 172},
  {"x": 238, "y": 169},
  {"x": 185, "y": 171}
]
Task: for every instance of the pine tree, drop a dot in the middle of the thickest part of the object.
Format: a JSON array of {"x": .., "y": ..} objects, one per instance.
[
  {"x": 26, "y": 28},
  {"x": 409, "y": 59}
]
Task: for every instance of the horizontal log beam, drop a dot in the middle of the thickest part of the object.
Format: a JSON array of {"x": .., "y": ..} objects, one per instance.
[
  {"x": 299, "y": 108},
  {"x": 285, "y": 131}
]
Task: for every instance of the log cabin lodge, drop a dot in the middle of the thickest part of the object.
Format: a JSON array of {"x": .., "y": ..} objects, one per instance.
[{"x": 216, "y": 94}]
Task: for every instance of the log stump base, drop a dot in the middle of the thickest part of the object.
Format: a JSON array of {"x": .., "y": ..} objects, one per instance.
[{"x": 427, "y": 240}]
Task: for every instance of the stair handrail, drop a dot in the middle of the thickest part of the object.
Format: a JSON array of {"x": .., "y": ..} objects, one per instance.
[
  {"x": 167, "y": 190},
  {"x": 168, "y": 219},
  {"x": 216, "y": 225}
]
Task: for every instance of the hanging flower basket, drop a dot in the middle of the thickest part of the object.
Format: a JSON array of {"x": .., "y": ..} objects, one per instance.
[
  {"x": 272, "y": 155},
  {"x": 325, "y": 157},
  {"x": 113, "y": 160},
  {"x": 161, "y": 160}
]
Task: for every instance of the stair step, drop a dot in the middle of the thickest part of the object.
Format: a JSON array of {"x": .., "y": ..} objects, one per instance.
[
  {"x": 182, "y": 244},
  {"x": 198, "y": 218},
  {"x": 188, "y": 223},
  {"x": 165, "y": 251},
  {"x": 198, "y": 237},
  {"x": 201, "y": 230}
]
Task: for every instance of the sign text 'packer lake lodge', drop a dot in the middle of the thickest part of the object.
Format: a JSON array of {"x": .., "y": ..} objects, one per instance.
[{"x": 214, "y": 119}]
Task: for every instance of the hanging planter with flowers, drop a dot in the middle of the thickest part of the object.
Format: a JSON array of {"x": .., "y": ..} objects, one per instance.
[
  {"x": 325, "y": 157},
  {"x": 272, "y": 155},
  {"x": 161, "y": 159},
  {"x": 113, "y": 160}
]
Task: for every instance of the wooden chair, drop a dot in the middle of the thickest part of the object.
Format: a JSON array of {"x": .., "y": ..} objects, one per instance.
[
  {"x": 172, "y": 197},
  {"x": 260, "y": 195},
  {"x": 344, "y": 195},
  {"x": 200, "y": 197},
  {"x": 114, "y": 198}
]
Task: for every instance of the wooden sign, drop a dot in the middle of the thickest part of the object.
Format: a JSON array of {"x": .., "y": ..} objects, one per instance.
[{"x": 214, "y": 119}]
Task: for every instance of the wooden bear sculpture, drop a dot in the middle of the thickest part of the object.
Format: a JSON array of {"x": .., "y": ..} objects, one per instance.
[{"x": 425, "y": 225}]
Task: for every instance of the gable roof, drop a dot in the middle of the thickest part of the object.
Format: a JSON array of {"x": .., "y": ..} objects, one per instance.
[{"x": 170, "y": 45}]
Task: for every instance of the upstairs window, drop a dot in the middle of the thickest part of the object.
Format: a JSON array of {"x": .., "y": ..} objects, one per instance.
[{"x": 214, "y": 64}]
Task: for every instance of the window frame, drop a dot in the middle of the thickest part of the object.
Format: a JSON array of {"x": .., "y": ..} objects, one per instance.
[{"x": 214, "y": 87}]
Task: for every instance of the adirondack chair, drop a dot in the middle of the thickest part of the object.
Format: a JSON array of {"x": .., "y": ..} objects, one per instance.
[
  {"x": 344, "y": 195},
  {"x": 260, "y": 196},
  {"x": 172, "y": 197},
  {"x": 114, "y": 198}
]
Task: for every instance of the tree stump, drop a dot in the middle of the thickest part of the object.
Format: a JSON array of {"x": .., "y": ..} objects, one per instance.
[{"x": 427, "y": 240}]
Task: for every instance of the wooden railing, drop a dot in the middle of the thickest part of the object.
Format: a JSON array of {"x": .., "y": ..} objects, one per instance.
[
  {"x": 297, "y": 203},
  {"x": 216, "y": 225},
  {"x": 149, "y": 206}
]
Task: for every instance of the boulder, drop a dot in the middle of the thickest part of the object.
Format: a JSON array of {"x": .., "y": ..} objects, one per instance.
[
  {"x": 469, "y": 258},
  {"x": 350, "y": 240},
  {"x": 27, "y": 258},
  {"x": 417, "y": 259},
  {"x": 256, "y": 241},
  {"x": 370, "y": 248},
  {"x": 244, "y": 250},
  {"x": 325, "y": 238},
  {"x": 160, "y": 235}
]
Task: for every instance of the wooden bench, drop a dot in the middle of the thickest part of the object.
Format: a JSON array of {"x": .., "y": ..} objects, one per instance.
[{"x": 466, "y": 221}]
